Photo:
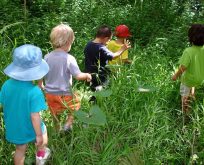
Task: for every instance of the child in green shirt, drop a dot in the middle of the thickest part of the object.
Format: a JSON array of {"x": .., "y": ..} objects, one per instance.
[{"x": 191, "y": 67}]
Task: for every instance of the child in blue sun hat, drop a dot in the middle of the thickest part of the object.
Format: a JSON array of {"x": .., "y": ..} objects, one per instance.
[{"x": 22, "y": 102}]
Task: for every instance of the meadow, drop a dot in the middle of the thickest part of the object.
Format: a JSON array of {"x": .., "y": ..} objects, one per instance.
[{"x": 142, "y": 128}]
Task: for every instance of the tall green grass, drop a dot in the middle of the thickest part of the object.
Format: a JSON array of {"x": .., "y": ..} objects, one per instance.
[{"x": 142, "y": 128}]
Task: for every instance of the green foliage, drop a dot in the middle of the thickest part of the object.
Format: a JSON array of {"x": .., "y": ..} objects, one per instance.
[{"x": 94, "y": 116}]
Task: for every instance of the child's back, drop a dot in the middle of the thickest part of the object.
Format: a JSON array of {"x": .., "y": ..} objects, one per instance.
[
  {"x": 122, "y": 33},
  {"x": 62, "y": 67},
  {"x": 193, "y": 59},
  {"x": 20, "y": 95},
  {"x": 97, "y": 56},
  {"x": 114, "y": 47},
  {"x": 191, "y": 67},
  {"x": 22, "y": 102},
  {"x": 58, "y": 81}
]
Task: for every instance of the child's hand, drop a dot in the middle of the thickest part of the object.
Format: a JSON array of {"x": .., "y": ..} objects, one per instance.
[
  {"x": 42, "y": 87},
  {"x": 39, "y": 140},
  {"x": 40, "y": 84},
  {"x": 88, "y": 77},
  {"x": 127, "y": 44},
  {"x": 192, "y": 94}
]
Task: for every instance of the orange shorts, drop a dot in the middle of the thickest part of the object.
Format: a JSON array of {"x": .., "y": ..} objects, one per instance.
[{"x": 57, "y": 103}]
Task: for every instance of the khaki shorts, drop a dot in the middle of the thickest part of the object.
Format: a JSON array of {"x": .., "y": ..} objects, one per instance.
[{"x": 185, "y": 90}]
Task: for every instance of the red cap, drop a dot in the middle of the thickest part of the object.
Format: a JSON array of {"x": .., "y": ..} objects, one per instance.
[{"x": 122, "y": 31}]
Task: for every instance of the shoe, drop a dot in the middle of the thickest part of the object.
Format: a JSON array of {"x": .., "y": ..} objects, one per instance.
[
  {"x": 99, "y": 88},
  {"x": 93, "y": 100},
  {"x": 85, "y": 125},
  {"x": 42, "y": 157},
  {"x": 67, "y": 128}
]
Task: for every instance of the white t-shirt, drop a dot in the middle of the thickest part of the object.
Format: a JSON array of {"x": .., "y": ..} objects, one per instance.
[{"x": 62, "y": 67}]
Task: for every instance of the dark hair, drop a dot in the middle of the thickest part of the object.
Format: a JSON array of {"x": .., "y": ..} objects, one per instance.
[
  {"x": 104, "y": 31},
  {"x": 196, "y": 34}
]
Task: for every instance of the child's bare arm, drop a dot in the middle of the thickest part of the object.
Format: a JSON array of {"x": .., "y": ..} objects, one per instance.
[
  {"x": 36, "y": 121},
  {"x": 40, "y": 84},
  {"x": 125, "y": 46},
  {"x": 84, "y": 76},
  {"x": 180, "y": 71},
  {"x": 1, "y": 107}
]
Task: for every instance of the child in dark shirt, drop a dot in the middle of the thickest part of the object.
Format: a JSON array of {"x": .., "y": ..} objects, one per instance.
[{"x": 97, "y": 56}]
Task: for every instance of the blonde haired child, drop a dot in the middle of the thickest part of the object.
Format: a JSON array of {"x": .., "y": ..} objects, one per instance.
[
  {"x": 62, "y": 35},
  {"x": 58, "y": 81}
]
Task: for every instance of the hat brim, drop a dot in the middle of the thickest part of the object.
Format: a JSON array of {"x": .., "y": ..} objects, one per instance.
[{"x": 29, "y": 74}]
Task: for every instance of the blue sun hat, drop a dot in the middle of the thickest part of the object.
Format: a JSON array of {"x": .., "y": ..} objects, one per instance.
[{"x": 27, "y": 64}]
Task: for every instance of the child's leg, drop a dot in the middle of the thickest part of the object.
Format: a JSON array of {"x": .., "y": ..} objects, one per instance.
[
  {"x": 55, "y": 106},
  {"x": 73, "y": 104},
  {"x": 19, "y": 155},
  {"x": 56, "y": 121},
  {"x": 185, "y": 104},
  {"x": 45, "y": 141},
  {"x": 43, "y": 153},
  {"x": 69, "y": 121},
  {"x": 185, "y": 97},
  {"x": 192, "y": 92}
]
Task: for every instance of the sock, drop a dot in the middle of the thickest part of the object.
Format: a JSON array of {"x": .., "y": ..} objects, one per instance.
[
  {"x": 67, "y": 127},
  {"x": 41, "y": 153}
]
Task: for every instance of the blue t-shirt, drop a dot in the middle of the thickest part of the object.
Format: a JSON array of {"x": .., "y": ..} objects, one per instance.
[{"x": 19, "y": 99}]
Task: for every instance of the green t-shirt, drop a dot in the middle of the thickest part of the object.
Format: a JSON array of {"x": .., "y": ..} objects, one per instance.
[{"x": 193, "y": 60}]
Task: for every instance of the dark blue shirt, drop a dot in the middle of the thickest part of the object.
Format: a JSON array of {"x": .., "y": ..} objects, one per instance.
[{"x": 96, "y": 57}]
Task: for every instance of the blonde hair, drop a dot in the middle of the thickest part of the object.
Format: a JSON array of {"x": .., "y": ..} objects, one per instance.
[{"x": 61, "y": 35}]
